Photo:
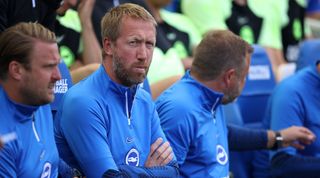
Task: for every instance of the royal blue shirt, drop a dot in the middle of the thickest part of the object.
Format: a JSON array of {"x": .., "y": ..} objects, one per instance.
[
  {"x": 102, "y": 124},
  {"x": 192, "y": 119},
  {"x": 33, "y": 153},
  {"x": 296, "y": 101}
]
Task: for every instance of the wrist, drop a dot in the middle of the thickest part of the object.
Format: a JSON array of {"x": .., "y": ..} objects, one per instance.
[
  {"x": 278, "y": 140},
  {"x": 271, "y": 139}
]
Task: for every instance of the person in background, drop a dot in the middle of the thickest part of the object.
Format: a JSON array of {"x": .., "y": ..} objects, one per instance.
[
  {"x": 78, "y": 44},
  {"x": 299, "y": 96},
  {"x": 255, "y": 21},
  {"x": 117, "y": 128},
  {"x": 41, "y": 11}
]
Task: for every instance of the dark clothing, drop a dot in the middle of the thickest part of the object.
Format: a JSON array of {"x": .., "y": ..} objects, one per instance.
[{"x": 15, "y": 11}]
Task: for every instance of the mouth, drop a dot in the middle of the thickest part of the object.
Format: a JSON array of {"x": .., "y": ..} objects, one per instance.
[
  {"x": 51, "y": 86},
  {"x": 140, "y": 69}
]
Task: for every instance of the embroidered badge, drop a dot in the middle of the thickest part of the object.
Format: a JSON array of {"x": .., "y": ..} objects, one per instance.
[
  {"x": 46, "y": 171},
  {"x": 222, "y": 156},
  {"x": 132, "y": 157}
]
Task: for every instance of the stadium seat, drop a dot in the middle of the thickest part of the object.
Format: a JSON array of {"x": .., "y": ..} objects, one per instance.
[
  {"x": 61, "y": 86},
  {"x": 309, "y": 53},
  {"x": 260, "y": 82}
]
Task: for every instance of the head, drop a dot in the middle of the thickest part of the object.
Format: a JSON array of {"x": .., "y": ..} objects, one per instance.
[
  {"x": 28, "y": 63},
  {"x": 223, "y": 57},
  {"x": 129, "y": 36}
]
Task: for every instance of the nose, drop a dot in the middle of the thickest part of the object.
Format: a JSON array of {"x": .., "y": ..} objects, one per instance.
[
  {"x": 142, "y": 53},
  {"x": 56, "y": 75}
]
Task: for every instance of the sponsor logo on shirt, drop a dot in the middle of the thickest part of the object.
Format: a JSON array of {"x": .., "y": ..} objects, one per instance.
[
  {"x": 46, "y": 171},
  {"x": 132, "y": 158},
  {"x": 61, "y": 86},
  {"x": 222, "y": 156}
]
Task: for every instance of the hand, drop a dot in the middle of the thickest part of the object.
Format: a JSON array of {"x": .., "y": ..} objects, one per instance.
[
  {"x": 85, "y": 9},
  {"x": 160, "y": 154},
  {"x": 294, "y": 136}
]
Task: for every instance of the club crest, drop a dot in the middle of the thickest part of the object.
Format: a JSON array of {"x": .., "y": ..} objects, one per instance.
[{"x": 132, "y": 157}]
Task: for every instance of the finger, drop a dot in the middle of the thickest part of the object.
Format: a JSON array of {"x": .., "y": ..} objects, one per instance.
[
  {"x": 298, "y": 146},
  {"x": 306, "y": 136},
  {"x": 160, "y": 150},
  {"x": 165, "y": 156},
  {"x": 154, "y": 146},
  {"x": 167, "y": 160}
]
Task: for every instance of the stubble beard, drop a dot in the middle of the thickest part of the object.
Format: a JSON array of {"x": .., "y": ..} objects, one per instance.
[{"x": 123, "y": 75}]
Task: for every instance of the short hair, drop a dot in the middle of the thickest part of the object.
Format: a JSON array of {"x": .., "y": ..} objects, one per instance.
[
  {"x": 219, "y": 51},
  {"x": 110, "y": 23},
  {"x": 17, "y": 43}
]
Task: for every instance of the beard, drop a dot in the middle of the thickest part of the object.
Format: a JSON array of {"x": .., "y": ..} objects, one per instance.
[
  {"x": 127, "y": 78},
  {"x": 230, "y": 95},
  {"x": 35, "y": 96}
]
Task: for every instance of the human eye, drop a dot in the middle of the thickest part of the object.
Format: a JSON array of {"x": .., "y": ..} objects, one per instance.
[
  {"x": 133, "y": 43},
  {"x": 150, "y": 45}
]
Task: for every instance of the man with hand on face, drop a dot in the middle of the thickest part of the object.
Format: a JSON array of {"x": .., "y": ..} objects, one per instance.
[
  {"x": 29, "y": 59},
  {"x": 107, "y": 125}
]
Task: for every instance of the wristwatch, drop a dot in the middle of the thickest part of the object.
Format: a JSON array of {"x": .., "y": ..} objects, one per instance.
[{"x": 278, "y": 141}]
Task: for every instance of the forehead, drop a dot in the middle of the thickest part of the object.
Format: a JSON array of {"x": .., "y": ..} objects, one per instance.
[
  {"x": 44, "y": 52},
  {"x": 131, "y": 26}
]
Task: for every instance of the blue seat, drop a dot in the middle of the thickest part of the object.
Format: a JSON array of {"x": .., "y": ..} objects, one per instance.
[
  {"x": 260, "y": 82},
  {"x": 309, "y": 53},
  {"x": 61, "y": 86}
]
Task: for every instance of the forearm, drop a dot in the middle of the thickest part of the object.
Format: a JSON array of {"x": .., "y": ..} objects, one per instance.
[
  {"x": 91, "y": 48},
  {"x": 288, "y": 165},
  {"x": 245, "y": 139}
]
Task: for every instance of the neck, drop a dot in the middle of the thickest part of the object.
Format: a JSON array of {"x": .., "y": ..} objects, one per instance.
[
  {"x": 215, "y": 85},
  {"x": 12, "y": 90}
]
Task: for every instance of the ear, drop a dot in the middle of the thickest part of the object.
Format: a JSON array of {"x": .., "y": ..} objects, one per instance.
[
  {"x": 229, "y": 77},
  {"x": 15, "y": 70},
  {"x": 107, "y": 46}
]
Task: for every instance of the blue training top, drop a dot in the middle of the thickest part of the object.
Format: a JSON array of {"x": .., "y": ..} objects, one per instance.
[
  {"x": 193, "y": 121},
  {"x": 102, "y": 125},
  {"x": 33, "y": 153},
  {"x": 296, "y": 101}
]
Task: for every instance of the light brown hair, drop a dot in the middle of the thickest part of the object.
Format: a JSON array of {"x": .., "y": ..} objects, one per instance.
[
  {"x": 16, "y": 44},
  {"x": 219, "y": 51}
]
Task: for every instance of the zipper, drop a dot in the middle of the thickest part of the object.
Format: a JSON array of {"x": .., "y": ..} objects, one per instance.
[
  {"x": 116, "y": 3},
  {"x": 33, "y": 3},
  {"x": 213, "y": 110},
  {"x": 127, "y": 109},
  {"x": 34, "y": 128}
]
